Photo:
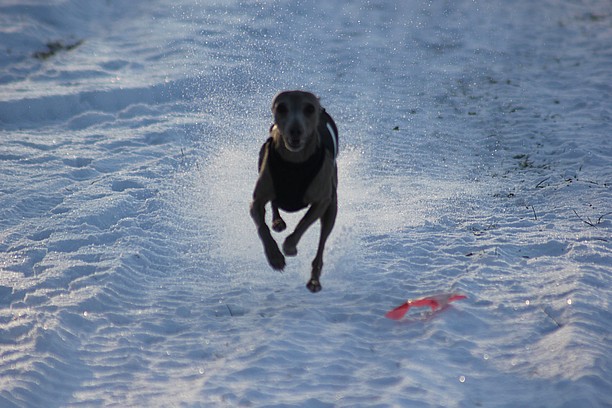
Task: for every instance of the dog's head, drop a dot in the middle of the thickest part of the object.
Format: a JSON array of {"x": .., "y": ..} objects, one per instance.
[{"x": 296, "y": 115}]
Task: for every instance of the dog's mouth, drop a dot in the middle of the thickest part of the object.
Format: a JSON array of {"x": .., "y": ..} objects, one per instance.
[{"x": 293, "y": 145}]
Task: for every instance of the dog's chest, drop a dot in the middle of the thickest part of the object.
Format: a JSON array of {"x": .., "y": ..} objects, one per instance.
[{"x": 291, "y": 180}]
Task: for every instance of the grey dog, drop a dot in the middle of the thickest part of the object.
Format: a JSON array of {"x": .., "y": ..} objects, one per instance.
[{"x": 297, "y": 169}]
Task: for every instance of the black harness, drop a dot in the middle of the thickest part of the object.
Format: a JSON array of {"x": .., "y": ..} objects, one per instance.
[{"x": 291, "y": 180}]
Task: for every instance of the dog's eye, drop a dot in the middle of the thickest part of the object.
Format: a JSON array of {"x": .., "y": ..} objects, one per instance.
[
  {"x": 281, "y": 109},
  {"x": 309, "y": 109}
]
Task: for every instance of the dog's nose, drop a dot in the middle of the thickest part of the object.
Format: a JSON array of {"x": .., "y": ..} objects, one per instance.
[{"x": 295, "y": 131}]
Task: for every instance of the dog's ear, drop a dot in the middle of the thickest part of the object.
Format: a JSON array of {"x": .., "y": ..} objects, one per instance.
[
  {"x": 273, "y": 104},
  {"x": 275, "y": 99},
  {"x": 319, "y": 108}
]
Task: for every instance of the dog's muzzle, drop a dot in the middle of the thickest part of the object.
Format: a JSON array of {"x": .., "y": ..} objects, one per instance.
[{"x": 294, "y": 138}]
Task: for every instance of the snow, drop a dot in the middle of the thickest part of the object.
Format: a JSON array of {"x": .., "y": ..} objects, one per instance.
[{"x": 475, "y": 158}]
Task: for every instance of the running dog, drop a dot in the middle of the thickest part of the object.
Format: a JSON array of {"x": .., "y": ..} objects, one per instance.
[{"x": 297, "y": 169}]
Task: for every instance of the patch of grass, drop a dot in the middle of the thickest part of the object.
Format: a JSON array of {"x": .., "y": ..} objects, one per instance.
[
  {"x": 53, "y": 47},
  {"x": 524, "y": 162}
]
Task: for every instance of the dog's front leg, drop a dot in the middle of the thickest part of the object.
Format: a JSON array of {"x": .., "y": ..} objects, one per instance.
[
  {"x": 278, "y": 224},
  {"x": 273, "y": 253}
]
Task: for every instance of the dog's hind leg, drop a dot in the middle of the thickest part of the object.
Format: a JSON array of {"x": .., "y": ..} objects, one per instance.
[
  {"x": 327, "y": 224},
  {"x": 278, "y": 224},
  {"x": 315, "y": 212}
]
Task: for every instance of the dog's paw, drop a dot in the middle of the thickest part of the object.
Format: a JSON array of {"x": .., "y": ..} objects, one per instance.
[
  {"x": 279, "y": 225},
  {"x": 276, "y": 258},
  {"x": 277, "y": 263},
  {"x": 289, "y": 247},
  {"x": 314, "y": 285}
]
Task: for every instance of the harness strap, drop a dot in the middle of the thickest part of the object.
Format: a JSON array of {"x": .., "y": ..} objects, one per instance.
[{"x": 328, "y": 133}]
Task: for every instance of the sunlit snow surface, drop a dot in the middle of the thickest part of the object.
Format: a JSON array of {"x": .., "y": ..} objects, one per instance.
[{"x": 475, "y": 157}]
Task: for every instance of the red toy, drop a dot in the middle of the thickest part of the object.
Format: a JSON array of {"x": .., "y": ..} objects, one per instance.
[{"x": 435, "y": 302}]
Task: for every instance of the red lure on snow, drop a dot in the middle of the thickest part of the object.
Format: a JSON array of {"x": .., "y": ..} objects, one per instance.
[{"x": 435, "y": 302}]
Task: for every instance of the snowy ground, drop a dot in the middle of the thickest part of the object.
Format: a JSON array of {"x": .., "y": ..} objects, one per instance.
[{"x": 476, "y": 157}]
